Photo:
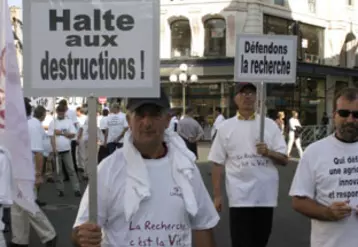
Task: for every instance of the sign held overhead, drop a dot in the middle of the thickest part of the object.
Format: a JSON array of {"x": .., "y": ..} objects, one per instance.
[
  {"x": 266, "y": 58},
  {"x": 79, "y": 48}
]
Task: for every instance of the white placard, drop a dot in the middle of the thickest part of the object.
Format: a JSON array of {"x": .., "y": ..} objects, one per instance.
[
  {"x": 267, "y": 58},
  {"x": 100, "y": 48}
]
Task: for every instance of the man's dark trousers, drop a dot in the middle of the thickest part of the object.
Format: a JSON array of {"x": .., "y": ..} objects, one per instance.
[{"x": 250, "y": 227}]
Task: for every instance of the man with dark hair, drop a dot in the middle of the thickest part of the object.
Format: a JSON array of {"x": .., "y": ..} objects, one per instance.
[
  {"x": 61, "y": 130},
  {"x": 252, "y": 177},
  {"x": 39, "y": 115},
  {"x": 71, "y": 114},
  {"x": 20, "y": 218},
  {"x": 322, "y": 188}
]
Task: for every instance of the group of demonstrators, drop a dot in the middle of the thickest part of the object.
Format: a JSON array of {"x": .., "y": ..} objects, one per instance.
[{"x": 151, "y": 193}]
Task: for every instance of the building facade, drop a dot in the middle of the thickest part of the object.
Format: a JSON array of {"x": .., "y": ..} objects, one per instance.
[{"x": 202, "y": 35}]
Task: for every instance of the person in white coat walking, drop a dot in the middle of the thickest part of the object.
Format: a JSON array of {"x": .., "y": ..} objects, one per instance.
[{"x": 294, "y": 134}]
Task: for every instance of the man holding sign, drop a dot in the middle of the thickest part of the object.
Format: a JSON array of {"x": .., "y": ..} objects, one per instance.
[
  {"x": 251, "y": 175},
  {"x": 150, "y": 192}
]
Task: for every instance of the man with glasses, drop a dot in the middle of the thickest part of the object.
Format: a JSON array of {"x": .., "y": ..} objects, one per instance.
[
  {"x": 250, "y": 166},
  {"x": 325, "y": 186}
]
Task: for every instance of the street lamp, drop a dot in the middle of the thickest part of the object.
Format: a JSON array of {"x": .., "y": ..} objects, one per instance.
[{"x": 184, "y": 78}]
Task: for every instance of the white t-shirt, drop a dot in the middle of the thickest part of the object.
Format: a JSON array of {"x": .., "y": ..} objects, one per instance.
[
  {"x": 47, "y": 120},
  {"x": 251, "y": 179},
  {"x": 155, "y": 222},
  {"x": 116, "y": 123},
  {"x": 62, "y": 143},
  {"x": 81, "y": 120},
  {"x": 103, "y": 123},
  {"x": 99, "y": 118},
  {"x": 37, "y": 135},
  {"x": 219, "y": 119},
  {"x": 46, "y": 139},
  {"x": 327, "y": 173},
  {"x": 85, "y": 134},
  {"x": 72, "y": 115}
]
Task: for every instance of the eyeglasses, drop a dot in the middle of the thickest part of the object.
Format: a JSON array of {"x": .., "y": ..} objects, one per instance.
[{"x": 347, "y": 113}]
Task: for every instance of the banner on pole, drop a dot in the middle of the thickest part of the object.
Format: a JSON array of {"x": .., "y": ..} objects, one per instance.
[
  {"x": 266, "y": 58},
  {"x": 81, "y": 48},
  {"x": 14, "y": 133}
]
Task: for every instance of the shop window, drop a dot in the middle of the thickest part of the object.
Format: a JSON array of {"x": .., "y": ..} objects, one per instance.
[
  {"x": 312, "y": 43},
  {"x": 215, "y": 37},
  {"x": 310, "y": 48},
  {"x": 312, "y": 100},
  {"x": 180, "y": 38},
  {"x": 277, "y": 25}
]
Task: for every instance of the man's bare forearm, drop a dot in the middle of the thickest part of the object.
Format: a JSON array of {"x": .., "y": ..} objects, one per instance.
[
  {"x": 38, "y": 162},
  {"x": 278, "y": 158},
  {"x": 311, "y": 208},
  {"x": 216, "y": 179},
  {"x": 204, "y": 238}
]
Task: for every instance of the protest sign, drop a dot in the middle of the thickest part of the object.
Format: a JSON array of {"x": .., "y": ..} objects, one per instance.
[
  {"x": 266, "y": 58},
  {"x": 79, "y": 48}
]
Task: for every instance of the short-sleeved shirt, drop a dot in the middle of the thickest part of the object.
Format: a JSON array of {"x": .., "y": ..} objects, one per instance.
[
  {"x": 116, "y": 123},
  {"x": 37, "y": 135},
  {"x": 62, "y": 143},
  {"x": 188, "y": 128},
  {"x": 167, "y": 223},
  {"x": 251, "y": 179},
  {"x": 327, "y": 173},
  {"x": 72, "y": 115}
]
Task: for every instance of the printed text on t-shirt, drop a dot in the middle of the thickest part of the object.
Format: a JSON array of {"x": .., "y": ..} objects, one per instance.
[
  {"x": 176, "y": 234},
  {"x": 345, "y": 167},
  {"x": 246, "y": 160}
]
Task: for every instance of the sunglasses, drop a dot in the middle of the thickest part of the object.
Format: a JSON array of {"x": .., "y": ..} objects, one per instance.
[{"x": 346, "y": 113}]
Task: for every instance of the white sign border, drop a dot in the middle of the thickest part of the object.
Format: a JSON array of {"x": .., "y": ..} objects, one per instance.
[
  {"x": 30, "y": 91},
  {"x": 248, "y": 78}
]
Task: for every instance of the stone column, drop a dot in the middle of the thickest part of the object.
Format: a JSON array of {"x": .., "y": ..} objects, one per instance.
[{"x": 253, "y": 23}]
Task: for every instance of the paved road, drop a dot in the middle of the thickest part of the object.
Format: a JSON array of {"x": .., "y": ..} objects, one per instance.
[{"x": 290, "y": 229}]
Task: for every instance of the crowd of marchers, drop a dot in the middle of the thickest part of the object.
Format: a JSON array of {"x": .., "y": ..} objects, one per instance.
[{"x": 150, "y": 190}]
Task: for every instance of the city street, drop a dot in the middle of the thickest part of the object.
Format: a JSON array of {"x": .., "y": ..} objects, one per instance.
[{"x": 290, "y": 229}]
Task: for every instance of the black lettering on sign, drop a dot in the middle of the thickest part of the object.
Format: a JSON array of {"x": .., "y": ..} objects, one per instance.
[
  {"x": 91, "y": 40},
  {"x": 99, "y": 29},
  {"x": 101, "y": 68},
  {"x": 85, "y": 22},
  {"x": 265, "y": 64}
]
